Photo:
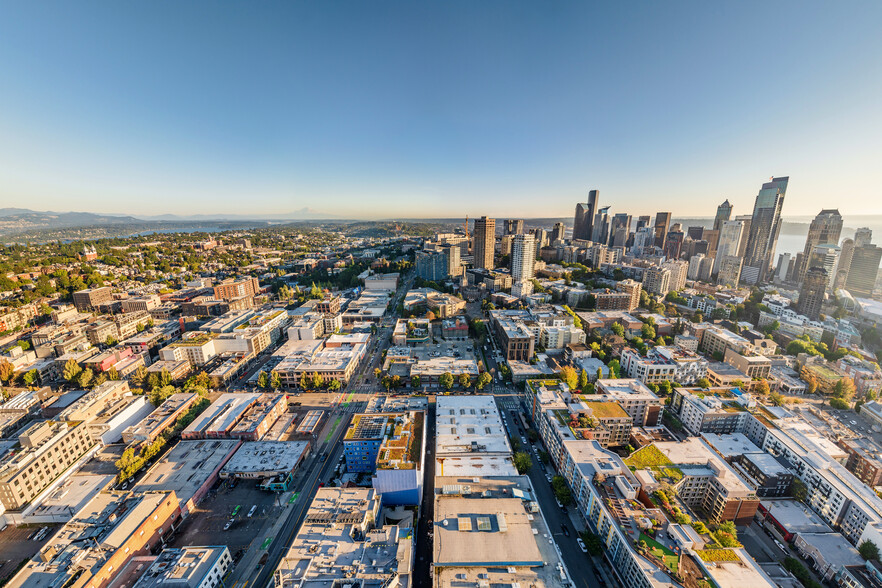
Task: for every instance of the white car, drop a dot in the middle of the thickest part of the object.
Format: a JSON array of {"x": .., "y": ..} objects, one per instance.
[
  {"x": 228, "y": 525},
  {"x": 582, "y": 545},
  {"x": 251, "y": 512}
]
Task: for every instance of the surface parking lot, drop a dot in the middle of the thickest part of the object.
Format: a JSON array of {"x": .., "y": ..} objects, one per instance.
[
  {"x": 17, "y": 544},
  {"x": 205, "y": 526}
]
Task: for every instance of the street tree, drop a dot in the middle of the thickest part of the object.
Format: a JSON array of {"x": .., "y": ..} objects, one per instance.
[
  {"x": 446, "y": 380},
  {"x": 263, "y": 380},
  {"x": 71, "y": 370}
]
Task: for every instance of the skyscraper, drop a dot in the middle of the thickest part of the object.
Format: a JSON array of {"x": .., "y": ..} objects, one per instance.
[
  {"x": 824, "y": 256},
  {"x": 746, "y": 221},
  {"x": 558, "y": 232},
  {"x": 695, "y": 233},
  {"x": 584, "y": 219},
  {"x": 764, "y": 229},
  {"x": 673, "y": 243},
  {"x": 712, "y": 236},
  {"x": 811, "y": 296},
  {"x": 643, "y": 240},
  {"x": 845, "y": 255},
  {"x": 600, "y": 226},
  {"x": 863, "y": 236},
  {"x": 731, "y": 234},
  {"x": 643, "y": 221},
  {"x": 514, "y": 226},
  {"x": 662, "y": 222},
  {"x": 454, "y": 265},
  {"x": 485, "y": 242},
  {"x": 724, "y": 213},
  {"x": 728, "y": 270},
  {"x": 523, "y": 257},
  {"x": 863, "y": 271},
  {"x": 619, "y": 228},
  {"x": 824, "y": 230}
]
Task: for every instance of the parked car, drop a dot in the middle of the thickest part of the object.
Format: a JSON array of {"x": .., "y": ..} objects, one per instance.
[
  {"x": 228, "y": 524},
  {"x": 582, "y": 545},
  {"x": 565, "y": 529},
  {"x": 251, "y": 512}
]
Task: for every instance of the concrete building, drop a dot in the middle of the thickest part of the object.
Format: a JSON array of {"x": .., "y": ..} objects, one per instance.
[
  {"x": 108, "y": 425},
  {"x": 219, "y": 419},
  {"x": 484, "y": 242},
  {"x": 232, "y": 289},
  {"x": 272, "y": 463},
  {"x": 755, "y": 367},
  {"x": 657, "y": 280},
  {"x": 164, "y": 417},
  {"x": 729, "y": 270},
  {"x": 189, "y": 470},
  {"x": 48, "y": 448},
  {"x": 644, "y": 407},
  {"x": 813, "y": 292},
  {"x": 341, "y": 538},
  {"x": 188, "y": 567},
  {"x": 90, "y": 299},
  {"x": 470, "y": 439}
]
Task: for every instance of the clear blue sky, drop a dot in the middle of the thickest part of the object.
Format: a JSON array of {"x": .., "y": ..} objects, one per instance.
[{"x": 376, "y": 109}]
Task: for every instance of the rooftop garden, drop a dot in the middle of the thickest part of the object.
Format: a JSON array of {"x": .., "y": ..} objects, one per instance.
[
  {"x": 648, "y": 456},
  {"x": 717, "y": 555},
  {"x": 652, "y": 547}
]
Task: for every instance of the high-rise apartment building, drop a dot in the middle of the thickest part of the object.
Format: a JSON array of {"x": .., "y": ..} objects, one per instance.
[
  {"x": 679, "y": 270},
  {"x": 863, "y": 271},
  {"x": 724, "y": 213},
  {"x": 514, "y": 226},
  {"x": 454, "y": 263},
  {"x": 632, "y": 289},
  {"x": 231, "y": 289},
  {"x": 728, "y": 270},
  {"x": 746, "y": 221},
  {"x": 824, "y": 230},
  {"x": 657, "y": 280},
  {"x": 644, "y": 239},
  {"x": 584, "y": 219},
  {"x": 485, "y": 242},
  {"x": 673, "y": 244},
  {"x": 523, "y": 258},
  {"x": 765, "y": 227},
  {"x": 731, "y": 234},
  {"x": 811, "y": 296},
  {"x": 662, "y": 223},
  {"x": 557, "y": 233}
]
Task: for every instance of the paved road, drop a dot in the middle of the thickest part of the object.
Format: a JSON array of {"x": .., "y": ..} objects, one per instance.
[
  {"x": 579, "y": 564},
  {"x": 424, "y": 553}
]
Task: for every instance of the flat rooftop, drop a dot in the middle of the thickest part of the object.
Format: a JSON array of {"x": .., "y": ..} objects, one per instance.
[
  {"x": 222, "y": 414},
  {"x": 186, "y": 467},
  {"x": 731, "y": 445},
  {"x": 795, "y": 516},
  {"x": 73, "y": 494},
  {"x": 185, "y": 567},
  {"x": 266, "y": 457}
]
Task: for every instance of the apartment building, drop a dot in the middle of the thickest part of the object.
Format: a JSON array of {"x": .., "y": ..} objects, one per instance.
[
  {"x": 231, "y": 289},
  {"x": 141, "y": 303},
  {"x": 47, "y": 449},
  {"x": 609, "y": 300},
  {"x": 863, "y": 460},
  {"x": 632, "y": 289},
  {"x": 717, "y": 411},
  {"x": 755, "y": 367},
  {"x": 164, "y": 417},
  {"x": 638, "y": 401},
  {"x": 188, "y": 567},
  {"x": 90, "y": 299},
  {"x": 716, "y": 340},
  {"x": 334, "y": 358}
]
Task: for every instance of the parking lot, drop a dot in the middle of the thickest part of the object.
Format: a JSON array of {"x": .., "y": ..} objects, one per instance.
[
  {"x": 457, "y": 349},
  {"x": 18, "y": 544},
  {"x": 206, "y": 525}
]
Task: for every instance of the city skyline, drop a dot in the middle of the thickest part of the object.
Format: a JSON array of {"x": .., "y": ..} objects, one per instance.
[{"x": 488, "y": 111}]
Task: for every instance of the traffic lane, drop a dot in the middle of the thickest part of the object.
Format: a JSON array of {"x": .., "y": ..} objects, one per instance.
[
  {"x": 296, "y": 517},
  {"x": 578, "y": 563}
]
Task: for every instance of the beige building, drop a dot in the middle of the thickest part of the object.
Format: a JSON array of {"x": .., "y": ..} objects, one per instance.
[
  {"x": 755, "y": 366},
  {"x": 47, "y": 449},
  {"x": 631, "y": 288},
  {"x": 91, "y": 298}
]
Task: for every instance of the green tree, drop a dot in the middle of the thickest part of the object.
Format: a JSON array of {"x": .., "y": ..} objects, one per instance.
[
  {"x": 153, "y": 381},
  {"x": 762, "y": 387},
  {"x": 522, "y": 462},
  {"x": 71, "y": 370},
  {"x": 112, "y": 374},
  {"x": 377, "y": 373},
  {"x": 318, "y": 381},
  {"x": 798, "y": 490},
  {"x": 387, "y": 382},
  {"x": 568, "y": 375},
  {"x": 844, "y": 389},
  {"x": 618, "y": 329},
  {"x": 703, "y": 383},
  {"x": 483, "y": 380},
  {"x": 776, "y": 399},
  {"x": 263, "y": 380},
  {"x": 868, "y": 550},
  {"x": 275, "y": 381},
  {"x": 561, "y": 490},
  {"x": 7, "y": 371},
  {"x": 415, "y": 381},
  {"x": 599, "y": 373},
  {"x": 614, "y": 368},
  {"x": 110, "y": 341},
  {"x": 446, "y": 380},
  {"x": 647, "y": 331},
  {"x": 465, "y": 381},
  {"x": 30, "y": 378},
  {"x": 165, "y": 378},
  {"x": 334, "y": 385},
  {"x": 85, "y": 378},
  {"x": 583, "y": 380},
  {"x": 139, "y": 377}
]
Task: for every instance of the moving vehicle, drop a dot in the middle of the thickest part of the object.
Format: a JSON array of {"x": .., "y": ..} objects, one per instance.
[
  {"x": 228, "y": 524},
  {"x": 251, "y": 512},
  {"x": 582, "y": 545},
  {"x": 237, "y": 509},
  {"x": 565, "y": 529}
]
